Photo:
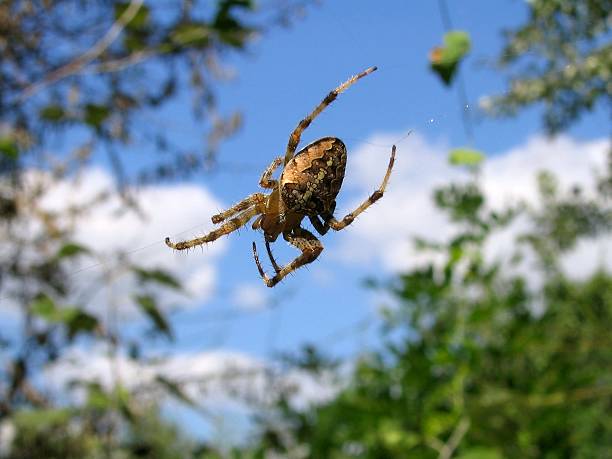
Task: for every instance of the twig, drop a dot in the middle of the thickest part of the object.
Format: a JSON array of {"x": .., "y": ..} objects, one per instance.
[
  {"x": 451, "y": 445},
  {"x": 88, "y": 56}
]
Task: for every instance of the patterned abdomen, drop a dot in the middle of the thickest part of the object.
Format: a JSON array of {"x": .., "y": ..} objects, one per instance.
[{"x": 312, "y": 179}]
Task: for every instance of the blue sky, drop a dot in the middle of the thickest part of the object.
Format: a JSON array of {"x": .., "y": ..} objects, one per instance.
[{"x": 281, "y": 78}]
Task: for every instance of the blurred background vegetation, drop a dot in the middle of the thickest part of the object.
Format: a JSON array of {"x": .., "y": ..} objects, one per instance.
[{"x": 479, "y": 361}]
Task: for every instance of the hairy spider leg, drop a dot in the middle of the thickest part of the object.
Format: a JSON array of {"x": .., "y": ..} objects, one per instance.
[
  {"x": 272, "y": 260},
  {"x": 321, "y": 227},
  {"x": 228, "y": 227},
  {"x": 305, "y": 241},
  {"x": 339, "y": 225},
  {"x": 266, "y": 178},
  {"x": 257, "y": 200},
  {"x": 294, "y": 138}
]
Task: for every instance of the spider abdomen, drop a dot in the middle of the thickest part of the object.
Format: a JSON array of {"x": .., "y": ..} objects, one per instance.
[{"x": 312, "y": 179}]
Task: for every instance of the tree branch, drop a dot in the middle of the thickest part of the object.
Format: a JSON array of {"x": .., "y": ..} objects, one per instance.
[{"x": 88, "y": 56}]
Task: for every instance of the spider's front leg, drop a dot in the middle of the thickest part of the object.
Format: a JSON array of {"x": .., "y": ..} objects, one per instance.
[
  {"x": 306, "y": 242},
  {"x": 349, "y": 218},
  {"x": 294, "y": 138},
  {"x": 266, "y": 178}
]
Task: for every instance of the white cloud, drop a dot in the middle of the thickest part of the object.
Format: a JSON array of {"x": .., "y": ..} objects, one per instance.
[
  {"x": 250, "y": 296},
  {"x": 178, "y": 211},
  {"x": 216, "y": 380},
  {"x": 385, "y": 233}
]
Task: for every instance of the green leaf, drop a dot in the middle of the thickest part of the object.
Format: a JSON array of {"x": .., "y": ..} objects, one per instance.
[
  {"x": 96, "y": 114},
  {"x": 75, "y": 320},
  {"x": 45, "y": 307},
  {"x": 140, "y": 19},
  {"x": 8, "y": 147},
  {"x": 122, "y": 396},
  {"x": 438, "y": 422},
  {"x": 97, "y": 398},
  {"x": 78, "y": 321},
  {"x": 480, "y": 452},
  {"x": 457, "y": 44},
  {"x": 157, "y": 275},
  {"x": 42, "y": 419},
  {"x": 52, "y": 113},
  {"x": 70, "y": 250},
  {"x": 192, "y": 34},
  {"x": 149, "y": 307},
  {"x": 174, "y": 389},
  {"x": 465, "y": 157},
  {"x": 444, "y": 59}
]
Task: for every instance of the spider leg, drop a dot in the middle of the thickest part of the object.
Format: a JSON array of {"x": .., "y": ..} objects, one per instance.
[
  {"x": 266, "y": 178},
  {"x": 226, "y": 228},
  {"x": 253, "y": 200},
  {"x": 321, "y": 227},
  {"x": 339, "y": 225},
  {"x": 271, "y": 257},
  {"x": 294, "y": 138},
  {"x": 306, "y": 242}
]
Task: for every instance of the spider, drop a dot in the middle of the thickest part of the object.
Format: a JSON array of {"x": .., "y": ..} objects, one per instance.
[{"x": 308, "y": 186}]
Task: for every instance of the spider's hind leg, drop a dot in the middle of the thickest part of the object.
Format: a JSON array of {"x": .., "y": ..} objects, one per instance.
[
  {"x": 349, "y": 218},
  {"x": 271, "y": 257},
  {"x": 228, "y": 227},
  {"x": 306, "y": 242}
]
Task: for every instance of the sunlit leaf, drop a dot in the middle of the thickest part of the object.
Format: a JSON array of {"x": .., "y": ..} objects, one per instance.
[
  {"x": 445, "y": 59},
  {"x": 465, "y": 157},
  {"x": 45, "y": 308}
]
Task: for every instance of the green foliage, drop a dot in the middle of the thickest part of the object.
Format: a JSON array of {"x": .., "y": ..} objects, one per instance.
[
  {"x": 48, "y": 434},
  {"x": 560, "y": 58},
  {"x": 478, "y": 360},
  {"x": 444, "y": 60},
  {"x": 75, "y": 434}
]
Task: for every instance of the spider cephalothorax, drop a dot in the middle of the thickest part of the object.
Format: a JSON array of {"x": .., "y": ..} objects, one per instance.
[{"x": 308, "y": 186}]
